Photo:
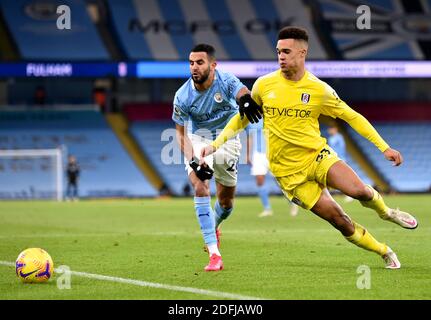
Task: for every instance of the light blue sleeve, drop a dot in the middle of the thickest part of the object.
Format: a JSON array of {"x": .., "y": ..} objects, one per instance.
[
  {"x": 232, "y": 84},
  {"x": 342, "y": 143},
  {"x": 179, "y": 114}
]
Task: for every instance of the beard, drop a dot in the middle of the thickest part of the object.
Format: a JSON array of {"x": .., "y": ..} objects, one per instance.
[{"x": 201, "y": 79}]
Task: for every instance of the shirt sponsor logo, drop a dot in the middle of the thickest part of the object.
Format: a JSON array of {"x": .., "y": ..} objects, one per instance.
[
  {"x": 287, "y": 112},
  {"x": 216, "y": 113}
]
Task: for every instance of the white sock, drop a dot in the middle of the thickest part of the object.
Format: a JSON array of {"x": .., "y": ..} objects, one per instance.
[{"x": 212, "y": 248}]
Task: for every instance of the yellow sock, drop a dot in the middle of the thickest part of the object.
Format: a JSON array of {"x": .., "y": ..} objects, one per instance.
[
  {"x": 377, "y": 203},
  {"x": 363, "y": 239}
]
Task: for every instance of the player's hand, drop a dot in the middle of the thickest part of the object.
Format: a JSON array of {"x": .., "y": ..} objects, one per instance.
[
  {"x": 394, "y": 156},
  {"x": 248, "y": 107},
  {"x": 208, "y": 150},
  {"x": 203, "y": 172}
]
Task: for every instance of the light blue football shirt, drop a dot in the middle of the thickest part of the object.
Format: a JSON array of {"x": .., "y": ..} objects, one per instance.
[
  {"x": 255, "y": 132},
  {"x": 337, "y": 143},
  {"x": 211, "y": 109}
]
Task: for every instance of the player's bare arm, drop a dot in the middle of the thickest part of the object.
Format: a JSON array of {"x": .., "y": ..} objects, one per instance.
[
  {"x": 208, "y": 150},
  {"x": 184, "y": 142},
  {"x": 203, "y": 171}
]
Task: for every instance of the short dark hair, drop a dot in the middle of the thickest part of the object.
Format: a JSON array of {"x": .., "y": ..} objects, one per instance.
[
  {"x": 293, "y": 33},
  {"x": 202, "y": 47}
]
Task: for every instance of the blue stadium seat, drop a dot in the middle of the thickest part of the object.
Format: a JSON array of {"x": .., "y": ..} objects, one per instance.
[
  {"x": 393, "y": 43},
  {"x": 350, "y": 161},
  {"x": 413, "y": 140},
  {"x": 34, "y": 29},
  {"x": 107, "y": 170}
]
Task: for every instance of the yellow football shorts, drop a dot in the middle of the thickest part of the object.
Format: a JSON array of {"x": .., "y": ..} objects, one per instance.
[{"x": 304, "y": 188}]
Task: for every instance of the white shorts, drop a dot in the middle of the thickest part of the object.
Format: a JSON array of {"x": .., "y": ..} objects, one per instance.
[
  {"x": 224, "y": 161},
  {"x": 259, "y": 164}
]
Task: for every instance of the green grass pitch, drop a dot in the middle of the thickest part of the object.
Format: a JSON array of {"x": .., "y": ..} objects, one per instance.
[{"x": 159, "y": 241}]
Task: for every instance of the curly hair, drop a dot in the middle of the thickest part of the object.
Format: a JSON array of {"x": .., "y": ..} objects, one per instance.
[{"x": 293, "y": 33}]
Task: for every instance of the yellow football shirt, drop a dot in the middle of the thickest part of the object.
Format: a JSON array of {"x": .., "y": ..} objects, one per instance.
[{"x": 291, "y": 112}]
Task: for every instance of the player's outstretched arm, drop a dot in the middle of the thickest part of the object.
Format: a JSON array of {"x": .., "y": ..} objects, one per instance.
[
  {"x": 362, "y": 126},
  {"x": 206, "y": 151},
  {"x": 233, "y": 127}
]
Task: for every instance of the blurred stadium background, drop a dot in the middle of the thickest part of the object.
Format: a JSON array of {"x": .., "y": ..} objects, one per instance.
[{"x": 103, "y": 90}]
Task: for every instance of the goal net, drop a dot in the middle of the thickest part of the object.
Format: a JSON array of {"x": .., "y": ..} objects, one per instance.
[{"x": 31, "y": 174}]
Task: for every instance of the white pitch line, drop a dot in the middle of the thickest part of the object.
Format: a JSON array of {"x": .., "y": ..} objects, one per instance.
[
  {"x": 156, "y": 285},
  {"x": 182, "y": 233}
]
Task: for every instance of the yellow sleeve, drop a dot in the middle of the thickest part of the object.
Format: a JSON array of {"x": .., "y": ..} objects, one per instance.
[
  {"x": 337, "y": 108},
  {"x": 233, "y": 127},
  {"x": 255, "y": 92}
]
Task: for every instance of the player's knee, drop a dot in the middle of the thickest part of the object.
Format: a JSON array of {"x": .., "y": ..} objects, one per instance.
[
  {"x": 201, "y": 189},
  {"x": 361, "y": 192},
  {"x": 342, "y": 223},
  {"x": 226, "y": 203}
]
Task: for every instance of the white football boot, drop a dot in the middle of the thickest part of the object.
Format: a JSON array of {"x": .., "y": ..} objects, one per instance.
[
  {"x": 391, "y": 260},
  {"x": 401, "y": 218},
  {"x": 265, "y": 213}
]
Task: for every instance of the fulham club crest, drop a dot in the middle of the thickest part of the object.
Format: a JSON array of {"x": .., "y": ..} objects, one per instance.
[{"x": 305, "y": 97}]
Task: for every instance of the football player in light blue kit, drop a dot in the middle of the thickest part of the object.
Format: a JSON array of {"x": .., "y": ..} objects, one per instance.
[
  {"x": 208, "y": 100},
  {"x": 256, "y": 157},
  {"x": 336, "y": 142}
]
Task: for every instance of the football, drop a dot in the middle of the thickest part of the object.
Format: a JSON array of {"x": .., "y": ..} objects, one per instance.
[{"x": 34, "y": 265}]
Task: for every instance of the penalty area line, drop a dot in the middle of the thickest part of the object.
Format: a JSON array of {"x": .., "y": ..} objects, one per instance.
[{"x": 212, "y": 293}]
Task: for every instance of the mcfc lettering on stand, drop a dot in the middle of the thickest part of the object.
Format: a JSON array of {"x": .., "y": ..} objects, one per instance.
[{"x": 178, "y": 27}]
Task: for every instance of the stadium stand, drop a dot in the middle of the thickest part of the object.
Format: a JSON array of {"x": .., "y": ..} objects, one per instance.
[
  {"x": 350, "y": 160},
  {"x": 401, "y": 29},
  {"x": 413, "y": 140},
  {"x": 86, "y": 135},
  {"x": 406, "y": 127},
  {"x": 76, "y": 91},
  {"x": 239, "y": 29},
  {"x": 33, "y": 27}
]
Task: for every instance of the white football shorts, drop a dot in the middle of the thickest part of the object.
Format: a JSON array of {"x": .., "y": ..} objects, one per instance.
[
  {"x": 224, "y": 161},
  {"x": 259, "y": 164}
]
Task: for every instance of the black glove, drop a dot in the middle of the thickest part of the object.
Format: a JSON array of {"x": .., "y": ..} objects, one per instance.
[
  {"x": 202, "y": 172},
  {"x": 248, "y": 107}
]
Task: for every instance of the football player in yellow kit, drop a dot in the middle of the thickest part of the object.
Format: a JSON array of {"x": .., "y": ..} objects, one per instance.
[{"x": 304, "y": 165}]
